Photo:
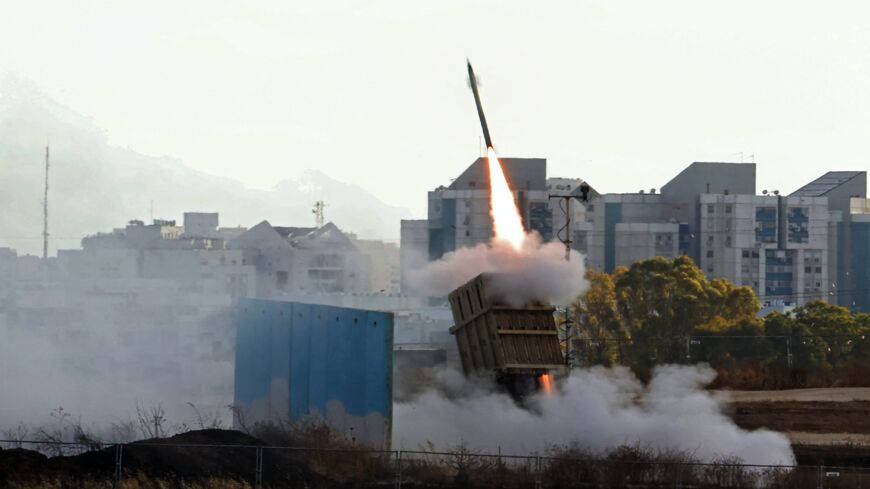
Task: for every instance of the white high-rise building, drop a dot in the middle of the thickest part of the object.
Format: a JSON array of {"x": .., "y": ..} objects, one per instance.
[{"x": 777, "y": 245}]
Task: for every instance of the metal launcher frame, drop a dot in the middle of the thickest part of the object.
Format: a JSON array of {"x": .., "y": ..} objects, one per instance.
[{"x": 497, "y": 338}]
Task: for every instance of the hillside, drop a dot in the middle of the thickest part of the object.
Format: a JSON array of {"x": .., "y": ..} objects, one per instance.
[{"x": 96, "y": 186}]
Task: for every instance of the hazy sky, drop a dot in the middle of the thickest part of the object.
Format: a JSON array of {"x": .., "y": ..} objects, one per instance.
[{"x": 624, "y": 94}]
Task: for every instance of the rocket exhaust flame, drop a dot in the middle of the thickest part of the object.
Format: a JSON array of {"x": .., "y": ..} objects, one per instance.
[
  {"x": 547, "y": 385},
  {"x": 506, "y": 220}
]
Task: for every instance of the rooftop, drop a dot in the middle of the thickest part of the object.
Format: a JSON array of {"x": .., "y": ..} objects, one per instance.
[
  {"x": 826, "y": 183},
  {"x": 521, "y": 173}
]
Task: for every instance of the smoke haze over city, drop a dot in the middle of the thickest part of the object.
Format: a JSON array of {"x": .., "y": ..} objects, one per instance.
[{"x": 630, "y": 245}]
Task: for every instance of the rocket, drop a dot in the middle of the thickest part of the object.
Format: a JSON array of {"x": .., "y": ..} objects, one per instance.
[{"x": 473, "y": 81}]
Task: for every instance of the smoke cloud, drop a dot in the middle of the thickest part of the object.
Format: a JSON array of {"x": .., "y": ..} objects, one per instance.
[
  {"x": 100, "y": 371},
  {"x": 537, "y": 272},
  {"x": 598, "y": 408}
]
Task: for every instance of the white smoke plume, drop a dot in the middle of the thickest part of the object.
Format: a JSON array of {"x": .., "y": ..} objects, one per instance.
[
  {"x": 537, "y": 272},
  {"x": 597, "y": 408}
]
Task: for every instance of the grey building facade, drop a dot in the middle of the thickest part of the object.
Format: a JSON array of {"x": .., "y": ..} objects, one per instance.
[
  {"x": 459, "y": 215},
  {"x": 811, "y": 245}
]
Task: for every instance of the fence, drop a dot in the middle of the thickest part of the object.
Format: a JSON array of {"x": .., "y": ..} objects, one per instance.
[{"x": 259, "y": 466}]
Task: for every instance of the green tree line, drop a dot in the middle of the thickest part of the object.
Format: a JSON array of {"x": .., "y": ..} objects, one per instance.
[{"x": 667, "y": 311}]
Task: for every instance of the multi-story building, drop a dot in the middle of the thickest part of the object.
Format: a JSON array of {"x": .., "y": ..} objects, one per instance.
[
  {"x": 848, "y": 263},
  {"x": 853, "y": 274},
  {"x": 775, "y": 244},
  {"x": 459, "y": 214},
  {"x": 145, "y": 305},
  {"x": 382, "y": 259},
  {"x": 301, "y": 261},
  {"x": 193, "y": 253},
  {"x": 623, "y": 228},
  {"x": 413, "y": 249},
  {"x": 811, "y": 245},
  {"x": 790, "y": 249}
]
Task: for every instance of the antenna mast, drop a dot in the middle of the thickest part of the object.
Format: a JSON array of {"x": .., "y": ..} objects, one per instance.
[
  {"x": 318, "y": 213},
  {"x": 569, "y": 323},
  {"x": 45, "y": 211}
]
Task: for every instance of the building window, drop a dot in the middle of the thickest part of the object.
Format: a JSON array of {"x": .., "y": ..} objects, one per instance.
[
  {"x": 281, "y": 280},
  {"x": 709, "y": 253},
  {"x": 798, "y": 225},
  {"x": 765, "y": 224},
  {"x": 710, "y": 208},
  {"x": 745, "y": 253},
  {"x": 728, "y": 209}
]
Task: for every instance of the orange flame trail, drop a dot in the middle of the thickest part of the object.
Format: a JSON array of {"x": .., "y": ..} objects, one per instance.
[
  {"x": 547, "y": 385},
  {"x": 505, "y": 215}
]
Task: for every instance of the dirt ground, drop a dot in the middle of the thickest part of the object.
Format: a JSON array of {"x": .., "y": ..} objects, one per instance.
[
  {"x": 826, "y": 426},
  {"x": 840, "y": 394},
  {"x": 806, "y": 417},
  {"x": 821, "y": 439}
]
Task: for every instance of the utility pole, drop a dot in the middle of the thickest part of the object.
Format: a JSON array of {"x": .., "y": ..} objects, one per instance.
[
  {"x": 45, "y": 212},
  {"x": 566, "y": 199}
]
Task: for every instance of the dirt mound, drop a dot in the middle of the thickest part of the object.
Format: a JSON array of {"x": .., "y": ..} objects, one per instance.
[
  {"x": 206, "y": 437},
  {"x": 234, "y": 457},
  {"x": 18, "y": 463}
]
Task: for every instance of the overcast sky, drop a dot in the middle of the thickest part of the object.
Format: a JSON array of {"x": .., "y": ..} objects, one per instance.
[{"x": 624, "y": 94}]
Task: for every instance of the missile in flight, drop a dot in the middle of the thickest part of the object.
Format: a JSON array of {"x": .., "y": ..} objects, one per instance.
[{"x": 473, "y": 81}]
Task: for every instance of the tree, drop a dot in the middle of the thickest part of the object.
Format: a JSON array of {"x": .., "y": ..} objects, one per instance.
[
  {"x": 833, "y": 327},
  {"x": 668, "y": 311},
  {"x": 663, "y": 303},
  {"x": 599, "y": 322}
]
